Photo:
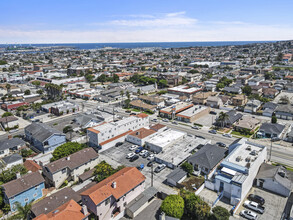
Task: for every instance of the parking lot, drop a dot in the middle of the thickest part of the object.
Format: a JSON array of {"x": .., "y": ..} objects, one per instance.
[
  {"x": 119, "y": 154},
  {"x": 274, "y": 205}
]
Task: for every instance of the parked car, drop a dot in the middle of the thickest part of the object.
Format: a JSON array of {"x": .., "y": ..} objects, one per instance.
[
  {"x": 138, "y": 150},
  {"x": 256, "y": 198},
  {"x": 145, "y": 155},
  {"x": 130, "y": 155},
  {"x": 248, "y": 214},
  {"x": 128, "y": 111},
  {"x": 195, "y": 127},
  {"x": 160, "y": 168},
  {"x": 118, "y": 144},
  {"x": 198, "y": 136},
  {"x": 221, "y": 144},
  {"x": 213, "y": 112},
  {"x": 149, "y": 164},
  {"x": 213, "y": 131},
  {"x": 165, "y": 120},
  {"x": 140, "y": 167},
  {"x": 275, "y": 139},
  {"x": 132, "y": 113},
  {"x": 175, "y": 122},
  {"x": 143, "y": 152},
  {"x": 227, "y": 135},
  {"x": 151, "y": 157},
  {"x": 154, "y": 120},
  {"x": 133, "y": 147},
  {"x": 254, "y": 206},
  {"x": 135, "y": 157}
]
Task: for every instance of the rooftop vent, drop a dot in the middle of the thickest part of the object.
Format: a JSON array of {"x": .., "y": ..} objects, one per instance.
[
  {"x": 248, "y": 148},
  {"x": 247, "y": 159},
  {"x": 114, "y": 184},
  {"x": 253, "y": 152},
  {"x": 238, "y": 158}
]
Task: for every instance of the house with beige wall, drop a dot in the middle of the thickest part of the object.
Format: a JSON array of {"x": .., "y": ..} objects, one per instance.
[{"x": 70, "y": 167}]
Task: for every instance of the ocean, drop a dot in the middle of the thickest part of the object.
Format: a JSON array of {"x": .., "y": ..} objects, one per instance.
[{"x": 87, "y": 46}]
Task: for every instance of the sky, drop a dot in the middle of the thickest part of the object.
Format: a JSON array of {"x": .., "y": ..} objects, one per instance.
[{"x": 111, "y": 21}]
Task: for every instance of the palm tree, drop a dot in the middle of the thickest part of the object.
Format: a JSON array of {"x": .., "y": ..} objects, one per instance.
[
  {"x": 122, "y": 94},
  {"x": 128, "y": 94},
  {"x": 8, "y": 87},
  {"x": 24, "y": 211},
  {"x": 222, "y": 118}
]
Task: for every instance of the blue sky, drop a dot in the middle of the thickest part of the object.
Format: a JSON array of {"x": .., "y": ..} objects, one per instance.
[{"x": 99, "y": 21}]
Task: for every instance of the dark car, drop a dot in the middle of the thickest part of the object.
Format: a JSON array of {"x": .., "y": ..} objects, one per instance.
[
  {"x": 256, "y": 198},
  {"x": 198, "y": 136},
  {"x": 134, "y": 158},
  {"x": 213, "y": 112},
  {"x": 150, "y": 163},
  {"x": 213, "y": 131},
  {"x": 118, "y": 144},
  {"x": 221, "y": 144},
  {"x": 128, "y": 111},
  {"x": 132, "y": 113},
  {"x": 138, "y": 150}
]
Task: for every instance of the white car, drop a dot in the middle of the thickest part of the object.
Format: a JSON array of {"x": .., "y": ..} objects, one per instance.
[
  {"x": 130, "y": 155},
  {"x": 254, "y": 206},
  {"x": 143, "y": 152},
  {"x": 227, "y": 135},
  {"x": 151, "y": 157},
  {"x": 133, "y": 147},
  {"x": 248, "y": 214}
]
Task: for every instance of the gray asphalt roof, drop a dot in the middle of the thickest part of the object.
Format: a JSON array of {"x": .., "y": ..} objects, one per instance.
[
  {"x": 208, "y": 156},
  {"x": 12, "y": 158},
  {"x": 177, "y": 174},
  {"x": 42, "y": 131},
  {"x": 142, "y": 199},
  {"x": 10, "y": 143},
  {"x": 271, "y": 128}
]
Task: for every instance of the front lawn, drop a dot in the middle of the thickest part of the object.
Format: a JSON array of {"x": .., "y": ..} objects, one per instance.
[{"x": 239, "y": 134}]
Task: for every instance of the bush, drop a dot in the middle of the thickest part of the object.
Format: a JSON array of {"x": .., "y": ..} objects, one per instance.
[
  {"x": 173, "y": 205},
  {"x": 26, "y": 152},
  {"x": 187, "y": 167},
  {"x": 66, "y": 149},
  {"x": 220, "y": 213}
]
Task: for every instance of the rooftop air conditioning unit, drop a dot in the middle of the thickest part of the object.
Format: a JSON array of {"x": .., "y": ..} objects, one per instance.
[
  {"x": 248, "y": 148},
  {"x": 238, "y": 158},
  {"x": 247, "y": 159}
]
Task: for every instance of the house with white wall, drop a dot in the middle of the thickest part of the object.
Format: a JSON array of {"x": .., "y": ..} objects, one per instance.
[
  {"x": 235, "y": 176},
  {"x": 109, "y": 198}
]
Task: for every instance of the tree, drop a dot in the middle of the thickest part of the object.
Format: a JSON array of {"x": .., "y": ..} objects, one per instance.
[
  {"x": 122, "y": 94},
  {"x": 173, "y": 205},
  {"x": 102, "y": 171},
  {"x": 40, "y": 91},
  {"x": 187, "y": 167},
  {"x": 247, "y": 90},
  {"x": 24, "y": 211},
  {"x": 163, "y": 83},
  {"x": 27, "y": 92},
  {"x": 66, "y": 149},
  {"x": 54, "y": 91},
  {"x": 8, "y": 87},
  {"x": 222, "y": 118},
  {"x": 67, "y": 129},
  {"x": 6, "y": 114},
  {"x": 36, "y": 83},
  {"x": 274, "y": 119},
  {"x": 26, "y": 152},
  {"x": 220, "y": 213},
  {"x": 115, "y": 78},
  {"x": 10, "y": 174},
  {"x": 138, "y": 92},
  {"x": 220, "y": 86}
]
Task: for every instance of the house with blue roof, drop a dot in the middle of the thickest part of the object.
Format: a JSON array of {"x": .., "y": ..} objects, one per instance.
[
  {"x": 23, "y": 190},
  {"x": 44, "y": 137},
  {"x": 234, "y": 177}
]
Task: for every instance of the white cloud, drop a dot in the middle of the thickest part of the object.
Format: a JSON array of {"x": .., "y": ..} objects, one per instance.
[
  {"x": 170, "y": 19},
  {"x": 162, "y": 28}
]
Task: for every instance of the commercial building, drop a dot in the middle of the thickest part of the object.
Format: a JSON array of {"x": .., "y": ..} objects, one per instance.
[
  {"x": 184, "y": 90},
  {"x": 192, "y": 114},
  {"x": 171, "y": 111},
  {"x": 235, "y": 176}
]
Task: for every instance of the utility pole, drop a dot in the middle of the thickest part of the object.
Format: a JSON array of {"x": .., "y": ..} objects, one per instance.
[
  {"x": 152, "y": 176},
  {"x": 113, "y": 114},
  {"x": 270, "y": 156}
]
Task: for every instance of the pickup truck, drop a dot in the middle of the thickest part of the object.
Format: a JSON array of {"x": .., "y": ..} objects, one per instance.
[{"x": 254, "y": 206}]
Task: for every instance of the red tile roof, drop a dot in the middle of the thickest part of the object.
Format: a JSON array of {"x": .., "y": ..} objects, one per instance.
[
  {"x": 70, "y": 210},
  {"x": 126, "y": 179},
  {"x": 142, "y": 115},
  {"x": 32, "y": 166},
  {"x": 142, "y": 133}
]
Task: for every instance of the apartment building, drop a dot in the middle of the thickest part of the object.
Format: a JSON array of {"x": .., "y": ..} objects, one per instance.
[{"x": 108, "y": 134}]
